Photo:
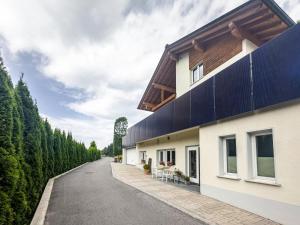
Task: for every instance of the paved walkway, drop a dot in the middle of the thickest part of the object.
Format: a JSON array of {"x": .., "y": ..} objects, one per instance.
[
  {"x": 90, "y": 195},
  {"x": 204, "y": 208}
]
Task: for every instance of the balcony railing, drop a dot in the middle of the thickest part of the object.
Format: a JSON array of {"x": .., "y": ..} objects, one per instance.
[{"x": 270, "y": 75}]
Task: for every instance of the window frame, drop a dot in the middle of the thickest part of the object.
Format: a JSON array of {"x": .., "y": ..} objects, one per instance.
[
  {"x": 197, "y": 68},
  {"x": 223, "y": 159},
  {"x": 164, "y": 153},
  {"x": 253, "y": 150}
]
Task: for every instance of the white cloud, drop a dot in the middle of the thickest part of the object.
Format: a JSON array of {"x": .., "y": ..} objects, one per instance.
[{"x": 105, "y": 49}]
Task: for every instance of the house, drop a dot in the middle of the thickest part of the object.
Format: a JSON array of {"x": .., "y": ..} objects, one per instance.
[{"x": 226, "y": 111}]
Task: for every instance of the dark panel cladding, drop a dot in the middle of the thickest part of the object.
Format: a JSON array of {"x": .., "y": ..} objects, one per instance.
[
  {"x": 143, "y": 130},
  {"x": 149, "y": 127},
  {"x": 137, "y": 131},
  {"x": 133, "y": 136},
  {"x": 154, "y": 125},
  {"x": 276, "y": 69},
  {"x": 182, "y": 112},
  {"x": 233, "y": 89},
  {"x": 129, "y": 139},
  {"x": 202, "y": 103},
  {"x": 164, "y": 119}
]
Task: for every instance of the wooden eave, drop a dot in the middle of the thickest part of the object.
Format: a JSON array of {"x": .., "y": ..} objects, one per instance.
[{"x": 257, "y": 20}]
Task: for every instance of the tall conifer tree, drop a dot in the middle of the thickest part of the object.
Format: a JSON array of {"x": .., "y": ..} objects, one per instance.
[
  {"x": 50, "y": 142},
  {"x": 32, "y": 141},
  {"x": 9, "y": 173}
]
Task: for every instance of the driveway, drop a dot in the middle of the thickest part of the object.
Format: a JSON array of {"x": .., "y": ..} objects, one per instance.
[{"x": 91, "y": 196}]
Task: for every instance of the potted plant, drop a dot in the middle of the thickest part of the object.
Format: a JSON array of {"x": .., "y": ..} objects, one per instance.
[
  {"x": 119, "y": 158},
  {"x": 162, "y": 163},
  {"x": 178, "y": 173},
  {"x": 187, "y": 180},
  {"x": 146, "y": 169},
  {"x": 169, "y": 163}
]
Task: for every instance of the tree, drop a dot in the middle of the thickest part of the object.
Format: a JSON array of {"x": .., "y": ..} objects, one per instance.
[
  {"x": 45, "y": 154},
  {"x": 57, "y": 152},
  {"x": 50, "y": 142},
  {"x": 94, "y": 153},
  {"x": 108, "y": 150},
  {"x": 120, "y": 129},
  {"x": 32, "y": 141},
  {"x": 10, "y": 170},
  {"x": 30, "y": 152},
  {"x": 21, "y": 195}
]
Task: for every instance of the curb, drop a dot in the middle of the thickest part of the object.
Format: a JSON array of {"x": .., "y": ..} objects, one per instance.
[
  {"x": 195, "y": 216},
  {"x": 40, "y": 212}
]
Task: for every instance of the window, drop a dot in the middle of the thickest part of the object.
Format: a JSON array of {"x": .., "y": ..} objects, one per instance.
[
  {"x": 161, "y": 158},
  {"x": 143, "y": 155},
  {"x": 197, "y": 73},
  {"x": 228, "y": 152},
  {"x": 263, "y": 155},
  {"x": 167, "y": 155}
]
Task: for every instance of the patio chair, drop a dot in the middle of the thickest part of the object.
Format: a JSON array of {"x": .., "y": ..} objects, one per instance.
[
  {"x": 169, "y": 173},
  {"x": 157, "y": 172}
]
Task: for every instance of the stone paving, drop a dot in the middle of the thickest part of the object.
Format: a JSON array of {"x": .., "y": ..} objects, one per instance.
[{"x": 206, "y": 209}]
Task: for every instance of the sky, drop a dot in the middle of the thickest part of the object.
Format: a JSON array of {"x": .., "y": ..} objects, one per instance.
[{"x": 88, "y": 62}]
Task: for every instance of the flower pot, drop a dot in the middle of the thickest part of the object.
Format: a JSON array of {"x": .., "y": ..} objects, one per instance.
[
  {"x": 187, "y": 182},
  {"x": 146, "y": 172}
]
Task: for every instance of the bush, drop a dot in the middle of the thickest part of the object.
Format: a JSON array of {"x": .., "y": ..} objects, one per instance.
[
  {"x": 146, "y": 167},
  {"x": 169, "y": 163},
  {"x": 187, "y": 178},
  {"x": 178, "y": 173}
]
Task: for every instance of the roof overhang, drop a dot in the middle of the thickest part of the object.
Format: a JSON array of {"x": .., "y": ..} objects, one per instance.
[{"x": 256, "y": 20}]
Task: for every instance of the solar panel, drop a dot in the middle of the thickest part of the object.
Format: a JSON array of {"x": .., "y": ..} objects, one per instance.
[
  {"x": 233, "y": 89},
  {"x": 276, "y": 69}
]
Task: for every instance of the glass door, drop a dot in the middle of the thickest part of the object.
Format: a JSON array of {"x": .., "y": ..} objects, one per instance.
[{"x": 193, "y": 164}]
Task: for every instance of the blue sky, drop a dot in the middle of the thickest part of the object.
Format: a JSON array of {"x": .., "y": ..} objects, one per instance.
[{"x": 88, "y": 62}]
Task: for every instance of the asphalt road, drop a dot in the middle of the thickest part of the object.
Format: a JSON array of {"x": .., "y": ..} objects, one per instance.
[{"x": 91, "y": 196}]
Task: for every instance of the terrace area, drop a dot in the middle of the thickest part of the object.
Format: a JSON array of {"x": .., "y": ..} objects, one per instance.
[{"x": 206, "y": 209}]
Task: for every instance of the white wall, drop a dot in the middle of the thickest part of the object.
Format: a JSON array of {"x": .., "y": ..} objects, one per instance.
[
  {"x": 124, "y": 158},
  {"x": 179, "y": 142},
  {"x": 183, "y": 73},
  {"x": 131, "y": 156},
  {"x": 281, "y": 203}
]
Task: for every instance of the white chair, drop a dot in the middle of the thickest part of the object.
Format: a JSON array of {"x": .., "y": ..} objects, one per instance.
[
  {"x": 169, "y": 173},
  {"x": 157, "y": 172}
]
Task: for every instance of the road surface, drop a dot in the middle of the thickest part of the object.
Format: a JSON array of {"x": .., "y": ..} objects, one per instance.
[{"x": 91, "y": 196}]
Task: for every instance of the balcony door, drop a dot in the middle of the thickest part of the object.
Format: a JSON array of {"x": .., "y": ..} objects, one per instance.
[{"x": 193, "y": 163}]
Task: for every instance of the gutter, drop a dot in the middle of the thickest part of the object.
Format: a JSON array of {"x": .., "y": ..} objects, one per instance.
[{"x": 279, "y": 12}]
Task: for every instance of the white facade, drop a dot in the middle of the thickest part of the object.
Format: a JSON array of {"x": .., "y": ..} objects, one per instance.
[
  {"x": 131, "y": 156},
  {"x": 179, "y": 142},
  {"x": 183, "y": 81},
  {"x": 277, "y": 199}
]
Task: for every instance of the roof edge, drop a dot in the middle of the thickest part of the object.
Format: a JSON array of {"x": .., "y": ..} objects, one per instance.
[{"x": 279, "y": 12}]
